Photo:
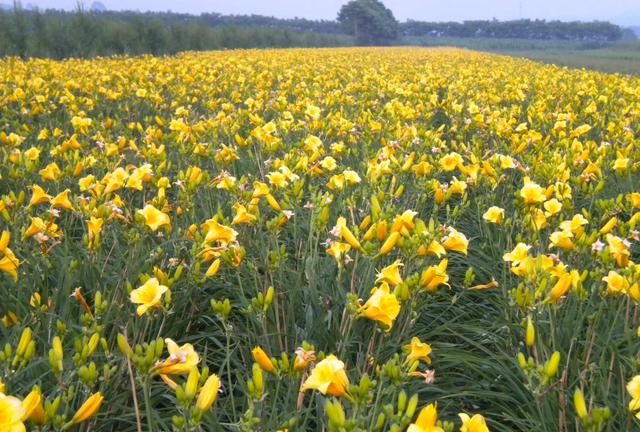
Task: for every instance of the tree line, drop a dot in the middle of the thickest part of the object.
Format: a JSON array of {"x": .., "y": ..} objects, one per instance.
[
  {"x": 81, "y": 33},
  {"x": 87, "y": 33},
  {"x": 516, "y": 29}
]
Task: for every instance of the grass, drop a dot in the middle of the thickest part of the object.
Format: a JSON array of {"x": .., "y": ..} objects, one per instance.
[{"x": 620, "y": 57}]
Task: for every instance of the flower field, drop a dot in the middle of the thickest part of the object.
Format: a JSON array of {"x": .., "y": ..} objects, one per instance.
[{"x": 306, "y": 240}]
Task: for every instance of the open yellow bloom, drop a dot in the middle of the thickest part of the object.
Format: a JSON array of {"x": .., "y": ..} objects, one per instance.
[
  {"x": 562, "y": 239},
  {"x": 338, "y": 249},
  {"x": 616, "y": 284},
  {"x": 418, "y": 351},
  {"x": 455, "y": 241},
  {"x": 62, "y": 201},
  {"x": 11, "y": 414},
  {"x": 38, "y": 196},
  {"x": 633, "y": 388},
  {"x": 8, "y": 263},
  {"x": 426, "y": 421},
  {"x": 148, "y": 295},
  {"x": 494, "y": 215},
  {"x": 180, "y": 361},
  {"x": 532, "y": 193},
  {"x": 382, "y": 306},
  {"x": 435, "y": 276},
  {"x": 154, "y": 218},
  {"x": 390, "y": 274},
  {"x": 477, "y": 423},
  {"x": 216, "y": 232},
  {"x": 328, "y": 377},
  {"x": 242, "y": 215},
  {"x": 619, "y": 250}
]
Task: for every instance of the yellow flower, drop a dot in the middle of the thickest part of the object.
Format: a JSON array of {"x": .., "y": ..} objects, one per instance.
[
  {"x": 39, "y": 196},
  {"x": 633, "y": 388},
  {"x": 88, "y": 409},
  {"x": 532, "y": 193},
  {"x": 208, "y": 393},
  {"x": 494, "y": 215},
  {"x": 62, "y": 201},
  {"x": 148, "y": 295},
  {"x": 8, "y": 263},
  {"x": 552, "y": 207},
  {"x": 426, "y": 421},
  {"x": 476, "y": 423},
  {"x": 435, "y": 276},
  {"x": 303, "y": 359},
  {"x": 94, "y": 227},
  {"x": 562, "y": 286},
  {"x": 609, "y": 226},
  {"x": 180, "y": 361},
  {"x": 616, "y": 284},
  {"x": 33, "y": 409},
  {"x": 346, "y": 234},
  {"x": 418, "y": 351},
  {"x": 389, "y": 243},
  {"x": 338, "y": 249},
  {"x": 242, "y": 215},
  {"x": 518, "y": 254},
  {"x": 575, "y": 224},
  {"x": 51, "y": 172},
  {"x": 390, "y": 274},
  {"x": 619, "y": 250},
  {"x": 382, "y": 306},
  {"x": 404, "y": 223},
  {"x": 450, "y": 161},
  {"x": 154, "y": 218},
  {"x": 328, "y": 377},
  {"x": 216, "y": 232},
  {"x": 455, "y": 241},
  {"x": 11, "y": 414},
  {"x": 562, "y": 239},
  {"x": 263, "y": 360},
  {"x": 313, "y": 112}
]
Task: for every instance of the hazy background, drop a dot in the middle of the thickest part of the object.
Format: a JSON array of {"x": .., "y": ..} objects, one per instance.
[{"x": 625, "y": 12}]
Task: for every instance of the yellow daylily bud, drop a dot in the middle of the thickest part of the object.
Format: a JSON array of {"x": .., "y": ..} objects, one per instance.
[
  {"x": 88, "y": 409},
  {"x": 390, "y": 243},
  {"x": 580, "y": 405},
  {"x": 208, "y": 393},
  {"x": 263, "y": 360}
]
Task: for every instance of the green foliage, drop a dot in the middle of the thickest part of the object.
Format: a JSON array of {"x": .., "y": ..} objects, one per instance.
[
  {"x": 369, "y": 21},
  {"x": 522, "y": 29},
  {"x": 58, "y": 34}
]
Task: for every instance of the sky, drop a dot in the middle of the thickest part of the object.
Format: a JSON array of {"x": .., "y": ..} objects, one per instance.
[{"x": 620, "y": 11}]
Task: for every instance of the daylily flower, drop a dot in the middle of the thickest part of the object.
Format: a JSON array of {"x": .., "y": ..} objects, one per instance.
[
  {"x": 148, "y": 295},
  {"x": 154, "y": 218},
  {"x": 426, "y": 421},
  {"x": 328, "y": 377},
  {"x": 382, "y": 306}
]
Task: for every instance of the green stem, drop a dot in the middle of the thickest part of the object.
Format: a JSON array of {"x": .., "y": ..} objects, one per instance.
[{"x": 147, "y": 402}]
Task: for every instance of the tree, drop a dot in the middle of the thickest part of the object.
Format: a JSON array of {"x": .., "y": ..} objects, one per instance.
[{"x": 369, "y": 21}]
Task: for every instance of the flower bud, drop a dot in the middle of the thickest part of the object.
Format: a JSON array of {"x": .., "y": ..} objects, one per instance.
[
  {"x": 580, "y": 405},
  {"x": 551, "y": 367},
  {"x": 531, "y": 333}
]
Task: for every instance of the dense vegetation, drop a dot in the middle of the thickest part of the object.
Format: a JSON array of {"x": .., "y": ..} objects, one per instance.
[
  {"x": 336, "y": 239},
  {"x": 517, "y": 29},
  {"x": 60, "y": 34}
]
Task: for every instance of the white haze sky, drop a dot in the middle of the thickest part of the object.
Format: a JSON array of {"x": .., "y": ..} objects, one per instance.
[{"x": 620, "y": 11}]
